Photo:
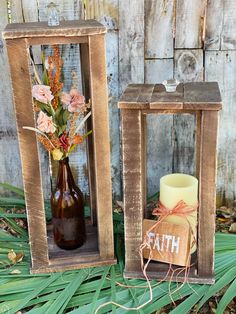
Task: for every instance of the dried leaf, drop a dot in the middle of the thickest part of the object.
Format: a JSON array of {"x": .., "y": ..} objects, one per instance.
[
  {"x": 15, "y": 272},
  {"x": 232, "y": 228},
  {"x": 12, "y": 256},
  {"x": 15, "y": 258}
]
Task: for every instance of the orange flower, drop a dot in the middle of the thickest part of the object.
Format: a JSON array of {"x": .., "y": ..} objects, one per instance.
[{"x": 77, "y": 139}]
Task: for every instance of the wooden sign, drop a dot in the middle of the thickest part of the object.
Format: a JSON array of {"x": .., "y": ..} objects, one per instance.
[{"x": 170, "y": 242}]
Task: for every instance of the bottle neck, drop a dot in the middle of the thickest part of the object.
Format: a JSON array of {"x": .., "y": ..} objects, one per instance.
[{"x": 65, "y": 180}]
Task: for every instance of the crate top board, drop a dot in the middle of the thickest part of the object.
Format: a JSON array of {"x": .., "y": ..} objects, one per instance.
[
  {"x": 188, "y": 96},
  {"x": 65, "y": 29}
]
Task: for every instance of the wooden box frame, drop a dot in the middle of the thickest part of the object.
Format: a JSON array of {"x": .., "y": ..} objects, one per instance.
[
  {"x": 203, "y": 100},
  {"x": 91, "y": 35}
]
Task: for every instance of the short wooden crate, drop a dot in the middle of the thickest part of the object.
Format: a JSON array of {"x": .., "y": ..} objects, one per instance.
[
  {"x": 90, "y": 34},
  {"x": 203, "y": 100}
]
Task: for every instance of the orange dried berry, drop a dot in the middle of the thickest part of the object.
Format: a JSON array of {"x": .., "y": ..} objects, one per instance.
[{"x": 77, "y": 139}]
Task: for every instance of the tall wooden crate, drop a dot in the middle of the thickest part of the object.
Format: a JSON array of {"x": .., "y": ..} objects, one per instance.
[
  {"x": 203, "y": 100},
  {"x": 90, "y": 34}
]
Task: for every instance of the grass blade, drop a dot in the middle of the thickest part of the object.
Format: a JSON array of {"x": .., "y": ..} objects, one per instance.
[
  {"x": 221, "y": 283},
  {"x": 13, "y": 189},
  {"x": 227, "y": 297},
  {"x": 44, "y": 284},
  {"x": 62, "y": 300},
  {"x": 113, "y": 288},
  {"x": 186, "y": 305},
  {"x": 96, "y": 295}
]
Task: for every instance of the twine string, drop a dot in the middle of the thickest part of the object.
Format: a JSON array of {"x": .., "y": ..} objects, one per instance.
[{"x": 181, "y": 209}]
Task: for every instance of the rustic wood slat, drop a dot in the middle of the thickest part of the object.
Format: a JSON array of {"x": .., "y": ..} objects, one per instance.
[
  {"x": 144, "y": 163},
  {"x": 228, "y": 40},
  {"x": 158, "y": 70},
  {"x": 188, "y": 65},
  {"x": 10, "y": 164},
  {"x": 65, "y": 29},
  {"x": 29, "y": 10},
  {"x": 214, "y": 23},
  {"x": 202, "y": 96},
  {"x": 145, "y": 93},
  {"x": 21, "y": 83},
  {"x": 207, "y": 192},
  {"x": 190, "y": 96},
  {"x": 164, "y": 100},
  {"x": 90, "y": 260},
  {"x": 133, "y": 188},
  {"x": 16, "y": 11},
  {"x": 189, "y": 23},
  {"x": 221, "y": 66},
  {"x": 198, "y": 119},
  {"x": 55, "y": 41},
  {"x": 106, "y": 12},
  {"x": 99, "y": 100},
  {"x": 159, "y": 17},
  {"x": 114, "y": 122},
  {"x": 131, "y": 93},
  {"x": 131, "y": 42}
]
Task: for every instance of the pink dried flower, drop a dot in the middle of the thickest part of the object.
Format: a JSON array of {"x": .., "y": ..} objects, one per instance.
[
  {"x": 45, "y": 123},
  {"x": 42, "y": 93},
  {"x": 74, "y": 100}
]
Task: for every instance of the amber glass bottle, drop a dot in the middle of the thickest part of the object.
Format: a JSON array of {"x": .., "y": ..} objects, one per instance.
[{"x": 67, "y": 206}]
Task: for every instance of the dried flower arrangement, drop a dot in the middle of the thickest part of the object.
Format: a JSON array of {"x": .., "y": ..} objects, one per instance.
[{"x": 57, "y": 112}]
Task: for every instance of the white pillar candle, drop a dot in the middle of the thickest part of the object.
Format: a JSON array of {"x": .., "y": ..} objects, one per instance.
[{"x": 180, "y": 187}]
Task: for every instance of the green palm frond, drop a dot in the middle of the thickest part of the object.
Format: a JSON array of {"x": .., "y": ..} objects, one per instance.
[{"x": 83, "y": 291}]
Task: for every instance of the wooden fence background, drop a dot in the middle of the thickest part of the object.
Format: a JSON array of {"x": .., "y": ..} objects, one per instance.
[{"x": 147, "y": 41}]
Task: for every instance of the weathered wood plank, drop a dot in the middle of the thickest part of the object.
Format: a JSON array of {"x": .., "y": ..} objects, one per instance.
[
  {"x": 228, "y": 40},
  {"x": 202, "y": 95},
  {"x": 41, "y": 29},
  {"x": 131, "y": 42},
  {"x": 114, "y": 121},
  {"x": 188, "y": 65},
  {"x": 221, "y": 66},
  {"x": 99, "y": 99},
  {"x": 159, "y": 17},
  {"x": 106, "y": 12},
  {"x": 158, "y": 70},
  {"x": 10, "y": 164},
  {"x": 69, "y": 10},
  {"x": 214, "y": 23},
  {"x": 21, "y": 83},
  {"x": 133, "y": 191},
  {"x": 207, "y": 191},
  {"x": 189, "y": 23},
  {"x": 159, "y": 129},
  {"x": 161, "y": 99},
  {"x": 29, "y": 10},
  {"x": 16, "y": 11}
]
